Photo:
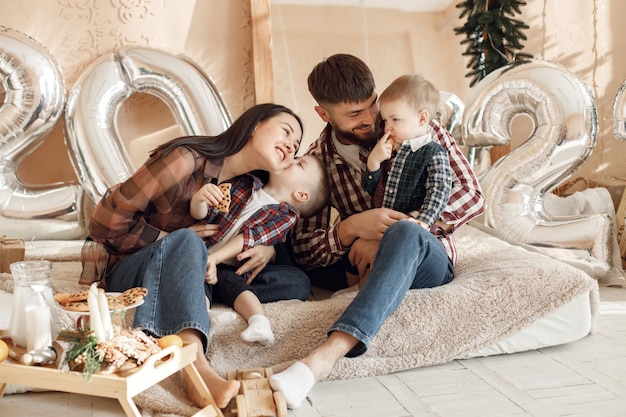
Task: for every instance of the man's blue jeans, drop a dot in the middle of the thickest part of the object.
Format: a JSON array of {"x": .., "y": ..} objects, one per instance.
[
  {"x": 409, "y": 257},
  {"x": 173, "y": 270}
]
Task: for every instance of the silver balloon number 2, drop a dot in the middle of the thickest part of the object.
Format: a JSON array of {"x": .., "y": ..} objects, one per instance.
[
  {"x": 34, "y": 101},
  {"x": 565, "y": 121},
  {"x": 30, "y": 106}
]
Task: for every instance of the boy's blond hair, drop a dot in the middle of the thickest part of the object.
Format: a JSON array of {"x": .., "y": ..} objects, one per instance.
[{"x": 418, "y": 92}]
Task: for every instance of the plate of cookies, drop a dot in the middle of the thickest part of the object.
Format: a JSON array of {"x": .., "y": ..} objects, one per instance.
[{"x": 76, "y": 302}]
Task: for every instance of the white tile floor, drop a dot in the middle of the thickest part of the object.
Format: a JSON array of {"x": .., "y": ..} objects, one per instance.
[{"x": 586, "y": 378}]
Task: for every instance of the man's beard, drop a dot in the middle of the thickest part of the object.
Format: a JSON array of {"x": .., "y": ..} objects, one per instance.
[{"x": 366, "y": 142}]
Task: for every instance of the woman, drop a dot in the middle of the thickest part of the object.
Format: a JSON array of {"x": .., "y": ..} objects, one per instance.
[{"x": 154, "y": 242}]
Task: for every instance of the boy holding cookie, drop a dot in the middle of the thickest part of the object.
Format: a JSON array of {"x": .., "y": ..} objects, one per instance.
[{"x": 250, "y": 213}]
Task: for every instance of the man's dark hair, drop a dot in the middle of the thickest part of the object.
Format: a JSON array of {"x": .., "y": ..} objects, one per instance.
[{"x": 341, "y": 78}]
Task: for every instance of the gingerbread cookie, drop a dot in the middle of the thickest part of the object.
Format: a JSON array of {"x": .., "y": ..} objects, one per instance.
[
  {"x": 132, "y": 295},
  {"x": 224, "y": 205}
]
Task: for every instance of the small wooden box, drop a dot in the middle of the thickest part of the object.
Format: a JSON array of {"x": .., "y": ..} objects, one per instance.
[{"x": 11, "y": 250}]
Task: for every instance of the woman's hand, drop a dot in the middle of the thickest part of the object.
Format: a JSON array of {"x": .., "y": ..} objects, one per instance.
[
  {"x": 205, "y": 230},
  {"x": 257, "y": 257}
]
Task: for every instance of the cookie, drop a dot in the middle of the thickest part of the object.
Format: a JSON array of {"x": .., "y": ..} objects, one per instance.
[
  {"x": 224, "y": 205},
  {"x": 64, "y": 298},
  {"x": 78, "y": 296},
  {"x": 114, "y": 302},
  {"x": 132, "y": 295},
  {"x": 81, "y": 306}
]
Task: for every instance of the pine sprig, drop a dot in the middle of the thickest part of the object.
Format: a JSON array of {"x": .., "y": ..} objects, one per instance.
[
  {"x": 82, "y": 353},
  {"x": 493, "y": 37}
]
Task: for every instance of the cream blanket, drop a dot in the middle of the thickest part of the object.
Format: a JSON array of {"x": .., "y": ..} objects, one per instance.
[{"x": 498, "y": 289}]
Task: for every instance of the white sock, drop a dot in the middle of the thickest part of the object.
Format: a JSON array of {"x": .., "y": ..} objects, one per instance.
[
  {"x": 295, "y": 382},
  {"x": 349, "y": 292},
  {"x": 219, "y": 318},
  {"x": 259, "y": 330}
]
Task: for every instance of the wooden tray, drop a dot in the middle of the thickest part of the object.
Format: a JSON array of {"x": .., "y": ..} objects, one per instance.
[{"x": 155, "y": 369}]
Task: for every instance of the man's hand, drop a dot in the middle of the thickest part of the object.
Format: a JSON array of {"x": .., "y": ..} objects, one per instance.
[
  {"x": 257, "y": 258},
  {"x": 369, "y": 225}
]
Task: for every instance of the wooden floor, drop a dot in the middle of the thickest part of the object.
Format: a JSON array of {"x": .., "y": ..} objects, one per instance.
[{"x": 583, "y": 379}]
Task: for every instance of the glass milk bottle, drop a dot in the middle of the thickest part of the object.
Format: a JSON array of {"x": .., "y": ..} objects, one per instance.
[
  {"x": 38, "y": 320},
  {"x": 27, "y": 274}
]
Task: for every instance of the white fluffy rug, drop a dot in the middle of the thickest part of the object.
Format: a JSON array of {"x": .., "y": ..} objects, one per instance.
[{"x": 498, "y": 289}]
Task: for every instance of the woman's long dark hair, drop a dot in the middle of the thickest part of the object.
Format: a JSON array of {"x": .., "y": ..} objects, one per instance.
[{"x": 232, "y": 139}]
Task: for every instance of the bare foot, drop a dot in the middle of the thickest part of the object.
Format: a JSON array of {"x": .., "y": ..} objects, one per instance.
[{"x": 221, "y": 390}]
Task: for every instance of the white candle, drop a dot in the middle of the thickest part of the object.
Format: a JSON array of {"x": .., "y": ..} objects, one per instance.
[
  {"x": 105, "y": 316},
  {"x": 95, "y": 321}
]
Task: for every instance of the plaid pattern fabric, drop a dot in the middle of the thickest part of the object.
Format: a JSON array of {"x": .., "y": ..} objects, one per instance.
[
  {"x": 266, "y": 226},
  {"x": 316, "y": 242},
  {"x": 417, "y": 180},
  {"x": 156, "y": 197}
]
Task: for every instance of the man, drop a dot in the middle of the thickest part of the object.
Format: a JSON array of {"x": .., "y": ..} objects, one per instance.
[{"x": 389, "y": 256}]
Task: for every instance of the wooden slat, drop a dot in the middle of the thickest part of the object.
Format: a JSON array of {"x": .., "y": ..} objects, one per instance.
[{"x": 262, "y": 51}]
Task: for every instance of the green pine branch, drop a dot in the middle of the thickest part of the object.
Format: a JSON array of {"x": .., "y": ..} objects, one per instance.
[{"x": 493, "y": 37}]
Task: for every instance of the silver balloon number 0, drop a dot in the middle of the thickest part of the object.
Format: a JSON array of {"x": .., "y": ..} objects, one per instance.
[
  {"x": 32, "y": 103},
  {"x": 34, "y": 100},
  {"x": 97, "y": 150},
  {"x": 565, "y": 121}
]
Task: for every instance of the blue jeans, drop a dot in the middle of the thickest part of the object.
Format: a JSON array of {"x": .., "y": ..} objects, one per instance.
[
  {"x": 409, "y": 257},
  {"x": 273, "y": 283},
  {"x": 173, "y": 270}
]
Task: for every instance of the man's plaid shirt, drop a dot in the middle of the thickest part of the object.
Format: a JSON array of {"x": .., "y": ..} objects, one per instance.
[{"x": 316, "y": 241}]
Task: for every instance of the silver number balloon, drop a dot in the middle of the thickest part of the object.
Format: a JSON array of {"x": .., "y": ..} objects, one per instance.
[
  {"x": 619, "y": 113},
  {"x": 97, "y": 150},
  {"x": 31, "y": 105},
  {"x": 565, "y": 120}
]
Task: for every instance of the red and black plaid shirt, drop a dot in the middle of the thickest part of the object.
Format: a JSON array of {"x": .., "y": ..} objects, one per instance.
[
  {"x": 156, "y": 197},
  {"x": 316, "y": 239}
]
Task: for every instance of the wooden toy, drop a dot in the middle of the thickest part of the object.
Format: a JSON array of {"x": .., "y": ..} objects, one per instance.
[{"x": 256, "y": 398}]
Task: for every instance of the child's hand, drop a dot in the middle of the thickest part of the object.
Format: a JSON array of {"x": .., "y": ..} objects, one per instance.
[
  {"x": 211, "y": 272},
  {"x": 381, "y": 152},
  {"x": 420, "y": 222},
  {"x": 209, "y": 193}
]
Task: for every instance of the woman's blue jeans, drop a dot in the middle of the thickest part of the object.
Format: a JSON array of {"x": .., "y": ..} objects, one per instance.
[
  {"x": 409, "y": 257},
  {"x": 173, "y": 270}
]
